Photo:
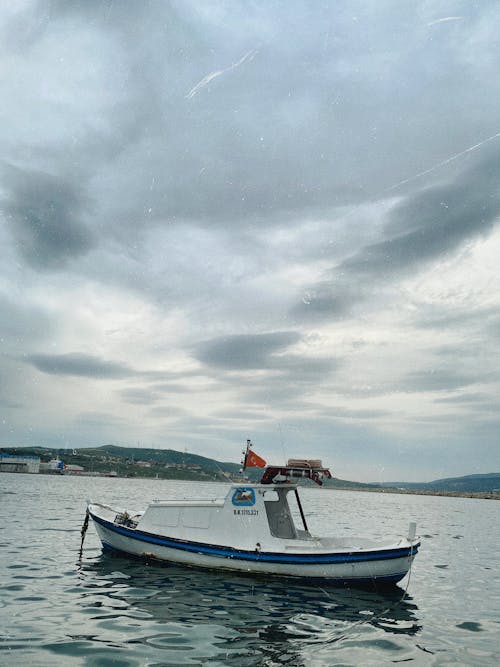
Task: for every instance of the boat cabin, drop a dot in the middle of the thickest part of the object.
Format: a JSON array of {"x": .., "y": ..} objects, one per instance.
[{"x": 255, "y": 516}]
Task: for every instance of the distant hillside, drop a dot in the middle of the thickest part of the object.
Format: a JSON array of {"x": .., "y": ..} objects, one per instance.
[
  {"x": 337, "y": 483},
  {"x": 172, "y": 464},
  {"x": 165, "y": 456},
  {"x": 485, "y": 483},
  {"x": 136, "y": 462}
]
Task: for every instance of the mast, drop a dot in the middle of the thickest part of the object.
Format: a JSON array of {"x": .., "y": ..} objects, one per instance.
[{"x": 245, "y": 455}]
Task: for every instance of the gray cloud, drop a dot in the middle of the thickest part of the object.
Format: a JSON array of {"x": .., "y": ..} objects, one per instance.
[
  {"x": 242, "y": 415},
  {"x": 302, "y": 368},
  {"x": 436, "y": 379},
  {"x": 138, "y": 395},
  {"x": 434, "y": 222},
  {"x": 332, "y": 299},
  {"x": 245, "y": 351},
  {"x": 277, "y": 378},
  {"x": 480, "y": 399},
  {"x": 96, "y": 418},
  {"x": 167, "y": 412},
  {"x": 171, "y": 388},
  {"x": 493, "y": 328},
  {"x": 79, "y": 365},
  {"x": 44, "y": 213},
  {"x": 445, "y": 318},
  {"x": 423, "y": 227},
  {"x": 337, "y": 412},
  {"x": 21, "y": 324},
  {"x": 288, "y": 384}
]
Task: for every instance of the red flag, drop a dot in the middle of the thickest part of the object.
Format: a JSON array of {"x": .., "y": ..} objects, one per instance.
[{"x": 253, "y": 460}]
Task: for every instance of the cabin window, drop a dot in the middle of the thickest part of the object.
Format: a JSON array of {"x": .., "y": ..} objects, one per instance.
[
  {"x": 279, "y": 517},
  {"x": 196, "y": 517},
  {"x": 164, "y": 516},
  {"x": 171, "y": 517}
]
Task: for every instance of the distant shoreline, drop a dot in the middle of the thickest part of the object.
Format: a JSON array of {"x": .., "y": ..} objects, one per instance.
[
  {"x": 420, "y": 492},
  {"x": 481, "y": 495}
]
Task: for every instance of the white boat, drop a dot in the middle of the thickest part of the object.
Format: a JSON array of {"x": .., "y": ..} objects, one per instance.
[{"x": 252, "y": 530}]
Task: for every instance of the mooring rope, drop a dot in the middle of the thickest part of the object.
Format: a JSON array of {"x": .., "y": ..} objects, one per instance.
[{"x": 84, "y": 530}]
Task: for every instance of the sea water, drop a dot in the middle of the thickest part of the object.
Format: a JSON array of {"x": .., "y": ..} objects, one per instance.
[{"x": 58, "y": 609}]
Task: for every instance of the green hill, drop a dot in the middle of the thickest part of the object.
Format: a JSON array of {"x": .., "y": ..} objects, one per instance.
[
  {"x": 337, "y": 483},
  {"x": 170, "y": 456},
  {"x": 137, "y": 462},
  {"x": 484, "y": 483}
]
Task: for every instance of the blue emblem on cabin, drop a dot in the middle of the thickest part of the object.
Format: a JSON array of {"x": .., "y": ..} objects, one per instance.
[{"x": 243, "y": 497}]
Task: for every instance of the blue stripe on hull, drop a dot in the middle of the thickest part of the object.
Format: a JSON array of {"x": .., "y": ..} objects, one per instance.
[
  {"x": 238, "y": 554},
  {"x": 387, "y": 579}
]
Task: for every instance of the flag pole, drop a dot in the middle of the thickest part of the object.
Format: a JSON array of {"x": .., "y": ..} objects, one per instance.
[{"x": 244, "y": 462}]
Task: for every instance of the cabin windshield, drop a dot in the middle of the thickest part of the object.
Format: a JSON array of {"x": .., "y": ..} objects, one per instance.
[{"x": 279, "y": 516}]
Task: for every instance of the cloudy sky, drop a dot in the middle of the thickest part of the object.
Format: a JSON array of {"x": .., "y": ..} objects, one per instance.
[{"x": 273, "y": 220}]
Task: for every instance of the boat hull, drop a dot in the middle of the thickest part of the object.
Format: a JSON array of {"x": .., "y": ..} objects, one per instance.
[{"x": 361, "y": 566}]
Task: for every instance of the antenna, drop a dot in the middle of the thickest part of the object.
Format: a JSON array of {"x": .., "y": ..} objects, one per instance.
[{"x": 282, "y": 442}]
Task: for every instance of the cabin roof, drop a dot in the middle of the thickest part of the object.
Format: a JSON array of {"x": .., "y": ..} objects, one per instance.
[{"x": 265, "y": 487}]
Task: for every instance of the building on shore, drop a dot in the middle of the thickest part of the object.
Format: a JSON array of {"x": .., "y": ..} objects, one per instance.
[
  {"x": 54, "y": 466},
  {"x": 14, "y": 463},
  {"x": 73, "y": 469}
]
